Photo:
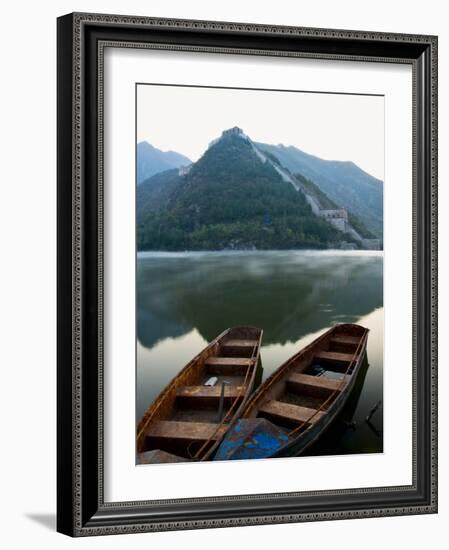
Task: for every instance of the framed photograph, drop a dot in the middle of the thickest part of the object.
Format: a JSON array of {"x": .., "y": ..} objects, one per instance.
[{"x": 247, "y": 279}]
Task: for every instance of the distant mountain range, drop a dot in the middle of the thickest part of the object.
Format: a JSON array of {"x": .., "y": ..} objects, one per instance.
[
  {"x": 151, "y": 161},
  {"x": 344, "y": 182},
  {"x": 245, "y": 195}
]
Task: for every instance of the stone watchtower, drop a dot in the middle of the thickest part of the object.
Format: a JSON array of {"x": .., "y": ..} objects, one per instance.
[
  {"x": 338, "y": 218},
  {"x": 235, "y": 131}
]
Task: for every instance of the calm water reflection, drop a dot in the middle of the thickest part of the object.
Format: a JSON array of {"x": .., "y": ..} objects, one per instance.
[{"x": 186, "y": 299}]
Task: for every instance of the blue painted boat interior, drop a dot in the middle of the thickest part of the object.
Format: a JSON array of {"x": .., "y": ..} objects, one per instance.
[{"x": 252, "y": 438}]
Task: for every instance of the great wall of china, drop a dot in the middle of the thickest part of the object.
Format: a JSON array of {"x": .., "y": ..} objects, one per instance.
[{"x": 338, "y": 217}]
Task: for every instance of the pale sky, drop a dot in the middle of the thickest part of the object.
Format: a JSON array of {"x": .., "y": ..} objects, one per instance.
[{"x": 330, "y": 126}]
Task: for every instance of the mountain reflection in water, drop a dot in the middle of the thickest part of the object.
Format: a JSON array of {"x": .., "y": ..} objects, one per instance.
[{"x": 184, "y": 300}]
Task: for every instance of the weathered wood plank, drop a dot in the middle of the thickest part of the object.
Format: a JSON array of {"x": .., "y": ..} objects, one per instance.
[
  {"x": 230, "y": 361},
  {"x": 315, "y": 385},
  {"x": 344, "y": 344},
  {"x": 209, "y": 392},
  {"x": 194, "y": 431},
  {"x": 240, "y": 343},
  {"x": 287, "y": 411},
  {"x": 228, "y": 366},
  {"x": 334, "y": 357},
  {"x": 346, "y": 339},
  {"x": 158, "y": 457}
]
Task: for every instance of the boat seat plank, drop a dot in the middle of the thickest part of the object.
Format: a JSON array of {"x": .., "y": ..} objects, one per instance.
[
  {"x": 287, "y": 411},
  {"x": 158, "y": 456},
  {"x": 229, "y": 366},
  {"x": 309, "y": 382},
  {"x": 334, "y": 357},
  {"x": 194, "y": 431},
  {"x": 346, "y": 339},
  {"x": 240, "y": 343},
  {"x": 211, "y": 392},
  {"x": 230, "y": 361}
]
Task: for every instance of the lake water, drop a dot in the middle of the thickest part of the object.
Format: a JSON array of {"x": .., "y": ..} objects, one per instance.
[{"x": 184, "y": 300}]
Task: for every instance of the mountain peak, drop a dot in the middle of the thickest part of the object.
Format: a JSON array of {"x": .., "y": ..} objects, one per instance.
[
  {"x": 151, "y": 160},
  {"x": 145, "y": 145},
  {"x": 233, "y": 132}
]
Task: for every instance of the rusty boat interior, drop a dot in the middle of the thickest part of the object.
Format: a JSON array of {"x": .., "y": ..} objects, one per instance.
[
  {"x": 295, "y": 405},
  {"x": 192, "y": 414}
]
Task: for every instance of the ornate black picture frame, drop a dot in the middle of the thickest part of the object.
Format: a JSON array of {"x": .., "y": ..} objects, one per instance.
[{"x": 81, "y": 510}]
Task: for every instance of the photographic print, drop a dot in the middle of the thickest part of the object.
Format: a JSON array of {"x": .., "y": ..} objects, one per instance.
[{"x": 259, "y": 273}]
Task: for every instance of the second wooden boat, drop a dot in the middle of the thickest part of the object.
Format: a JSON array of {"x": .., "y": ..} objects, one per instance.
[
  {"x": 191, "y": 415},
  {"x": 294, "y": 407}
]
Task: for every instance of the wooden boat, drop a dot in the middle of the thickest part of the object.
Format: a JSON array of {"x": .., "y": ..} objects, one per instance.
[
  {"x": 293, "y": 408},
  {"x": 193, "y": 413}
]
